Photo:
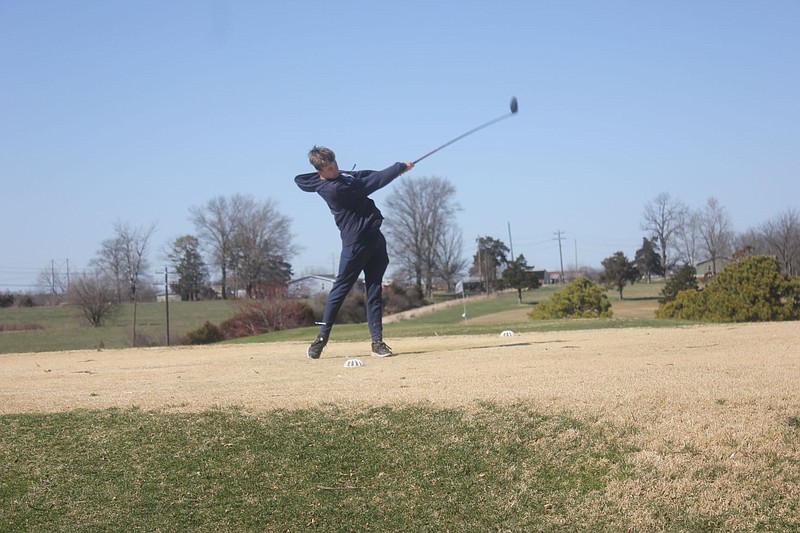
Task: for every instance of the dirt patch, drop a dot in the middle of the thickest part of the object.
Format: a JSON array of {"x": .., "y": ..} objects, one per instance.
[{"x": 615, "y": 372}]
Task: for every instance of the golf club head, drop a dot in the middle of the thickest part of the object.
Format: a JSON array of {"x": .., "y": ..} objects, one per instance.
[{"x": 514, "y": 106}]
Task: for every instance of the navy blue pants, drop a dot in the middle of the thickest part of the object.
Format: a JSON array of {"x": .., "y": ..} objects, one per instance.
[{"x": 368, "y": 256}]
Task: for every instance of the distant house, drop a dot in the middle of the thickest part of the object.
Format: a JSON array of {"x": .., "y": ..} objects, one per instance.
[
  {"x": 308, "y": 286},
  {"x": 711, "y": 267},
  {"x": 233, "y": 293},
  {"x": 542, "y": 275},
  {"x": 569, "y": 275}
]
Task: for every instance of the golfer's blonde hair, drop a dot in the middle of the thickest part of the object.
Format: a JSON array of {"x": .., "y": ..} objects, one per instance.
[{"x": 319, "y": 156}]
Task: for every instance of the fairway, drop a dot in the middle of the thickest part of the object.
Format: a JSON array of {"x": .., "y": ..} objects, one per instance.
[{"x": 712, "y": 410}]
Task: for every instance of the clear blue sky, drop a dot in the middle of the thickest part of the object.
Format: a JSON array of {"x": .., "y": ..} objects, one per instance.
[{"x": 134, "y": 111}]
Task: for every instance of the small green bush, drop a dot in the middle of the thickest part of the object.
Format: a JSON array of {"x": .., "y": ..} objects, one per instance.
[
  {"x": 581, "y": 298},
  {"x": 688, "y": 304},
  {"x": 208, "y": 333},
  {"x": 750, "y": 290}
]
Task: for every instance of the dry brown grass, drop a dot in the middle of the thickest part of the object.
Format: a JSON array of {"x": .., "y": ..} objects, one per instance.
[{"x": 713, "y": 409}]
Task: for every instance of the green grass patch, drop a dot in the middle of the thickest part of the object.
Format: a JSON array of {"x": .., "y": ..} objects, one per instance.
[
  {"x": 639, "y": 291},
  {"x": 449, "y": 321},
  {"x": 63, "y": 328},
  {"x": 414, "y": 468}
]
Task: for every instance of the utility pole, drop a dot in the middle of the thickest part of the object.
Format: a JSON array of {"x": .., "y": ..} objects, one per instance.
[
  {"x": 480, "y": 263},
  {"x": 576, "y": 256},
  {"x": 559, "y": 235},
  {"x": 166, "y": 298},
  {"x": 511, "y": 243},
  {"x": 52, "y": 282}
]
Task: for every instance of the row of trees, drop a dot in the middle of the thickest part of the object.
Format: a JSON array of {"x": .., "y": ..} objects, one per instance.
[
  {"x": 681, "y": 236},
  {"x": 247, "y": 244},
  {"x": 249, "y": 238},
  {"x": 685, "y": 236},
  {"x": 238, "y": 234},
  {"x": 427, "y": 242}
]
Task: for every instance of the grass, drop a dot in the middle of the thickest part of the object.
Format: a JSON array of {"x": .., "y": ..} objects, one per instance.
[
  {"x": 45, "y": 329},
  {"x": 486, "y": 467},
  {"x": 42, "y": 329},
  {"x": 405, "y": 468},
  {"x": 490, "y": 316},
  {"x": 381, "y": 469}
]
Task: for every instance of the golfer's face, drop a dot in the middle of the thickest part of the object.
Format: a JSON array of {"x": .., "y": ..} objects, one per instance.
[{"x": 329, "y": 171}]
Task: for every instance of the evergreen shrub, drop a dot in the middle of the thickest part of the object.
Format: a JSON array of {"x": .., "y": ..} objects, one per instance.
[{"x": 581, "y": 298}]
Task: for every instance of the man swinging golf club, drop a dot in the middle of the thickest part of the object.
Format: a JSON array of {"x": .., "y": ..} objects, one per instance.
[
  {"x": 363, "y": 245},
  {"x": 359, "y": 222}
]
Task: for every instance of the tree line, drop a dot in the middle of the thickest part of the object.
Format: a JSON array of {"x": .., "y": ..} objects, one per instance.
[
  {"x": 248, "y": 245},
  {"x": 686, "y": 236}
]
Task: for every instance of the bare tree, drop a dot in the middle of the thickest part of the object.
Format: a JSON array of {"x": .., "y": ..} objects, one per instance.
[
  {"x": 663, "y": 218},
  {"x": 93, "y": 293},
  {"x": 53, "y": 281},
  {"x": 261, "y": 244},
  {"x": 214, "y": 224},
  {"x": 450, "y": 260},
  {"x": 751, "y": 241},
  {"x": 422, "y": 211},
  {"x": 716, "y": 233},
  {"x": 687, "y": 239},
  {"x": 782, "y": 236},
  {"x": 134, "y": 247},
  {"x": 124, "y": 257},
  {"x": 109, "y": 261}
]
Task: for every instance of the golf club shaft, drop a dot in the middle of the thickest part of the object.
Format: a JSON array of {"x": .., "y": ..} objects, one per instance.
[{"x": 470, "y": 132}]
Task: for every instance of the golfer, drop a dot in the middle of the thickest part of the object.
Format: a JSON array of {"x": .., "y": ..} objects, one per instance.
[{"x": 363, "y": 245}]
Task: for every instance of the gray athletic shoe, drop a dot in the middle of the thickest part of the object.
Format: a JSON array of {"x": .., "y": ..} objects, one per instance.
[
  {"x": 379, "y": 349},
  {"x": 315, "y": 350}
]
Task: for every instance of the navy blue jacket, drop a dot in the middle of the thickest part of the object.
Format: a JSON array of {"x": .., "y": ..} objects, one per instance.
[{"x": 347, "y": 197}]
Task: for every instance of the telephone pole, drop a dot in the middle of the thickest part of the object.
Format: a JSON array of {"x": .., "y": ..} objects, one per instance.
[
  {"x": 511, "y": 243},
  {"x": 559, "y": 235},
  {"x": 166, "y": 297},
  {"x": 577, "y": 268}
]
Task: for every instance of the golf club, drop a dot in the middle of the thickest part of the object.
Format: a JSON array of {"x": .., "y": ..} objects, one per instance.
[{"x": 514, "y": 109}]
